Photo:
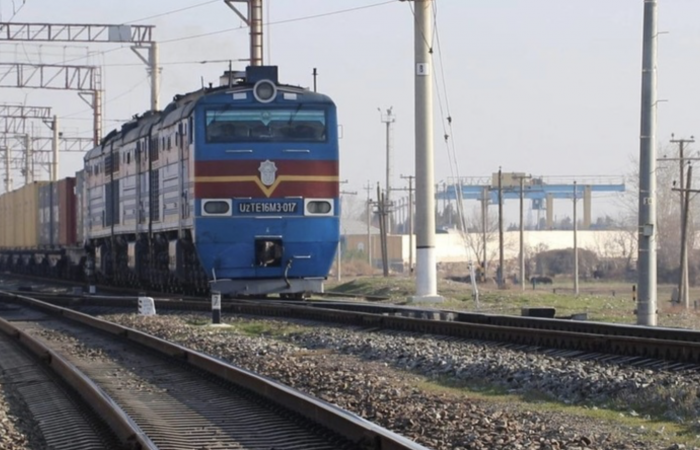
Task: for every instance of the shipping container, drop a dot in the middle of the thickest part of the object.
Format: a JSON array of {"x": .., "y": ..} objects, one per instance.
[
  {"x": 80, "y": 207},
  {"x": 57, "y": 214},
  {"x": 47, "y": 236},
  {"x": 4, "y": 214},
  {"x": 66, "y": 212},
  {"x": 21, "y": 217}
]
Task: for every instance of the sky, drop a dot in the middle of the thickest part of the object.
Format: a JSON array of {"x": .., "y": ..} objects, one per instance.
[{"x": 545, "y": 87}]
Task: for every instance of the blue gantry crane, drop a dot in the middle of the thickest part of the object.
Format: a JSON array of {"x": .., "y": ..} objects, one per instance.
[{"x": 540, "y": 191}]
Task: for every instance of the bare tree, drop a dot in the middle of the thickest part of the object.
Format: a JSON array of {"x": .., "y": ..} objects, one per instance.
[
  {"x": 353, "y": 207},
  {"x": 474, "y": 238},
  {"x": 668, "y": 218}
]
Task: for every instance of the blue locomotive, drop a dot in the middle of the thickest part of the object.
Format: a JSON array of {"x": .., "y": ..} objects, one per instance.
[{"x": 231, "y": 188}]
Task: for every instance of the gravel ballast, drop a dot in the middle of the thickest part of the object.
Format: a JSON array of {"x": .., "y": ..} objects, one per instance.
[{"x": 380, "y": 376}]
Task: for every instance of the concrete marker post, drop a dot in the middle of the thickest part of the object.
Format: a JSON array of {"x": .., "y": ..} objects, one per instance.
[{"x": 216, "y": 307}]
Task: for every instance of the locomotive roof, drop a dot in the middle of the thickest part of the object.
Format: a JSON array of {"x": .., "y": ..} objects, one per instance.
[{"x": 183, "y": 104}]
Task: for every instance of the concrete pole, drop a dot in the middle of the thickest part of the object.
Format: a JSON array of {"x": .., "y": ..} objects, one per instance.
[
  {"x": 369, "y": 232},
  {"x": 8, "y": 178},
  {"x": 550, "y": 212},
  {"x": 683, "y": 288},
  {"x": 368, "y": 188},
  {"x": 388, "y": 119},
  {"x": 153, "y": 61},
  {"x": 97, "y": 116},
  {"x": 426, "y": 273},
  {"x": 484, "y": 225},
  {"x": 682, "y": 292},
  {"x": 575, "y": 243},
  {"x": 522, "y": 235},
  {"x": 501, "y": 272},
  {"x": 646, "y": 259},
  {"x": 28, "y": 167},
  {"x": 338, "y": 258},
  {"x": 382, "y": 231},
  {"x": 54, "y": 166},
  {"x": 255, "y": 15},
  {"x": 410, "y": 225}
]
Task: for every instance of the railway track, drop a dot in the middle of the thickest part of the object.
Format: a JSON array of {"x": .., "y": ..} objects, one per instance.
[
  {"x": 632, "y": 341},
  {"x": 676, "y": 345},
  {"x": 517, "y": 367},
  {"x": 66, "y": 422},
  {"x": 155, "y": 394}
]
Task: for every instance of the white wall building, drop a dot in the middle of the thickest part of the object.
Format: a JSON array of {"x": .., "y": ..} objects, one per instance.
[{"x": 452, "y": 247}]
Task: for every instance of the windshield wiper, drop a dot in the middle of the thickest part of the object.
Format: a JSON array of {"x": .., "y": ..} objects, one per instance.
[{"x": 294, "y": 114}]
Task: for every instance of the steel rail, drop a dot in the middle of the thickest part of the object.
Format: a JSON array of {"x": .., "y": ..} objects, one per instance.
[
  {"x": 342, "y": 422},
  {"x": 123, "y": 426}
]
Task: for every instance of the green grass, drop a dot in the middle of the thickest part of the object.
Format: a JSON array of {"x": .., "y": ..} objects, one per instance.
[
  {"x": 197, "y": 321},
  {"x": 532, "y": 401},
  {"x": 259, "y": 328},
  {"x": 251, "y": 327},
  {"x": 601, "y": 301}
]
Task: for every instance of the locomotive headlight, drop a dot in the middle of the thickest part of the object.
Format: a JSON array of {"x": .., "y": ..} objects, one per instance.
[
  {"x": 321, "y": 207},
  {"x": 264, "y": 91}
]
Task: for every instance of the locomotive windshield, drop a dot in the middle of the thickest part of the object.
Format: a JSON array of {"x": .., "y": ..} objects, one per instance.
[{"x": 266, "y": 125}]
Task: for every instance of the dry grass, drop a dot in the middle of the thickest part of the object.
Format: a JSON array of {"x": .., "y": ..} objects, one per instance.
[{"x": 602, "y": 301}]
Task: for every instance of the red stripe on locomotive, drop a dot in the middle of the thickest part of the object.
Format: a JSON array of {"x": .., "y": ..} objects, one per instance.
[{"x": 238, "y": 167}]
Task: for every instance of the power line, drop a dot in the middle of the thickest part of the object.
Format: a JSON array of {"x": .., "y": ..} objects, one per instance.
[
  {"x": 128, "y": 91},
  {"x": 16, "y": 10},
  {"x": 171, "y": 63},
  {"x": 296, "y": 19},
  {"x": 241, "y": 27},
  {"x": 167, "y": 13}
]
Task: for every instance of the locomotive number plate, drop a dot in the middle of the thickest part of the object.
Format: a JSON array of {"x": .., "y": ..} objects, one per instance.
[{"x": 269, "y": 207}]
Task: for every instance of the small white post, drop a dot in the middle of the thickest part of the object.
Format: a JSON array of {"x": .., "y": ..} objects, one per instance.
[
  {"x": 147, "y": 306},
  {"x": 216, "y": 307}
]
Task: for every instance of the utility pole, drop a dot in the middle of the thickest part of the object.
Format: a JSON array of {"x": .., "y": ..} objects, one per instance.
[
  {"x": 154, "y": 70},
  {"x": 684, "y": 232},
  {"x": 426, "y": 271},
  {"x": 368, "y": 188},
  {"x": 484, "y": 223},
  {"x": 381, "y": 205},
  {"x": 388, "y": 118},
  {"x": 8, "y": 175},
  {"x": 28, "y": 166},
  {"x": 410, "y": 222},
  {"x": 54, "y": 145},
  {"x": 575, "y": 243},
  {"x": 522, "y": 179},
  {"x": 683, "y": 285},
  {"x": 646, "y": 253},
  {"x": 499, "y": 275}
]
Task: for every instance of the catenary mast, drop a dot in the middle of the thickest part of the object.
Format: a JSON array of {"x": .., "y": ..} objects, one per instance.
[
  {"x": 254, "y": 19},
  {"x": 646, "y": 260},
  {"x": 426, "y": 276}
]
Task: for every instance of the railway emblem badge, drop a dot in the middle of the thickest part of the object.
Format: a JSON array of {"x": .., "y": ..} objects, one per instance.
[{"x": 267, "y": 172}]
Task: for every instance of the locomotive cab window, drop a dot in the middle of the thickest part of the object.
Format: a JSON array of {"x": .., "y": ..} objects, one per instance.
[{"x": 266, "y": 125}]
